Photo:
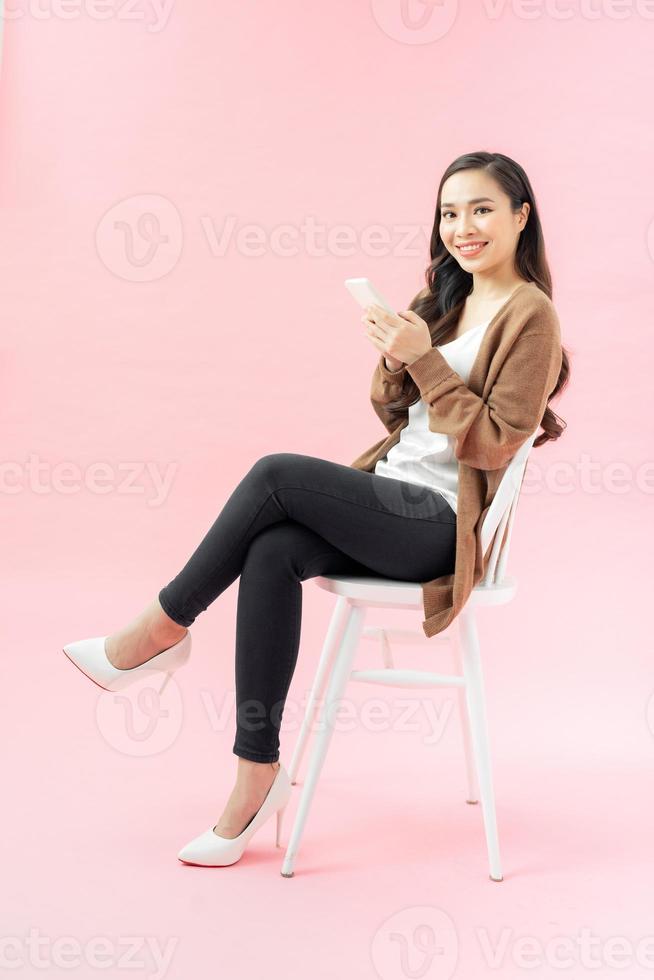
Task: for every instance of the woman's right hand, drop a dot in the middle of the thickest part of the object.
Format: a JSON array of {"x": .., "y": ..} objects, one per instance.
[{"x": 391, "y": 362}]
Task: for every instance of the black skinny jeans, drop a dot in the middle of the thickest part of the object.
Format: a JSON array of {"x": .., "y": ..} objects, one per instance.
[{"x": 293, "y": 517}]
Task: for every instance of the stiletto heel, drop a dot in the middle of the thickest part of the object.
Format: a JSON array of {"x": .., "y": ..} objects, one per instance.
[
  {"x": 92, "y": 660},
  {"x": 211, "y": 851}
]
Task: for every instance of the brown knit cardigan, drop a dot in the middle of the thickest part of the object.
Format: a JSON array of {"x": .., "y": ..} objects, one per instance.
[{"x": 515, "y": 370}]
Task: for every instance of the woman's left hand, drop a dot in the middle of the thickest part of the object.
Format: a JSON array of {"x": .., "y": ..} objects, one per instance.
[{"x": 404, "y": 336}]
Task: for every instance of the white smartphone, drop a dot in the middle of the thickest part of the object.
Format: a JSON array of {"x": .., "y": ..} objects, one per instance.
[{"x": 365, "y": 293}]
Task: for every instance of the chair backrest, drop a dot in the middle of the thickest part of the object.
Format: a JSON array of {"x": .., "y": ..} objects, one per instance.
[{"x": 501, "y": 514}]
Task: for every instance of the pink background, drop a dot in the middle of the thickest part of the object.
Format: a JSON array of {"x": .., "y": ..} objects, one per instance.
[{"x": 197, "y": 363}]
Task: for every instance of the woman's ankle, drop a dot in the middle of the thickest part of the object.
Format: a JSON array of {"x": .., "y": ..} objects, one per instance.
[
  {"x": 161, "y": 627},
  {"x": 248, "y": 770}
]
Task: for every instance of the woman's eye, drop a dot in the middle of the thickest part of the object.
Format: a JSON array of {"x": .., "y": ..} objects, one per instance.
[{"x": 482, "y": 208}]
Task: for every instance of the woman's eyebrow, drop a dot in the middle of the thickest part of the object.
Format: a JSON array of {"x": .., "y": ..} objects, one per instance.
[{"x": 473, "y": 200}]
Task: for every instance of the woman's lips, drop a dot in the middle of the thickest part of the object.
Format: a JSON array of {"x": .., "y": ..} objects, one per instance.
[{"x": 471, "y": 252}]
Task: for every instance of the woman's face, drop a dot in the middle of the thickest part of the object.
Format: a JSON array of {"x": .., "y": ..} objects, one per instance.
[{"x": 475, "y": 209}]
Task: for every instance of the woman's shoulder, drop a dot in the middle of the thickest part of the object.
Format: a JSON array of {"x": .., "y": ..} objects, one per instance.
[{"x": 535, "y": 307}]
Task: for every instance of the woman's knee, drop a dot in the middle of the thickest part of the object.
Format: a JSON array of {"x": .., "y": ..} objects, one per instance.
[
  {"x": 277, "y": 468},
  {"x": 271, "y": 463}
]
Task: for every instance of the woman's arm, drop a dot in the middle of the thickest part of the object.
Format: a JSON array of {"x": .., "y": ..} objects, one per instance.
[
  {"x": 488, "y": 433},
  {"x": 386, "y": 387}
]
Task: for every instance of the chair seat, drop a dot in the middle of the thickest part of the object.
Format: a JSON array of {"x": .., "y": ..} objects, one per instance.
[{"x": 388, "y": 592}]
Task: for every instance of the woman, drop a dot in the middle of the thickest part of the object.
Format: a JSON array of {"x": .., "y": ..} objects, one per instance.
[{"x": 394, "y": 511}]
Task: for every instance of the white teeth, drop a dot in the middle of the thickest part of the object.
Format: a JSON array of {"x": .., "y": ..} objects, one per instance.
[{"x": 470, "y": 248}]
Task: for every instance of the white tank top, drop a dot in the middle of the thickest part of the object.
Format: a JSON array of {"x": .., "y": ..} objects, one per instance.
[{"x": 424, "y": 457}]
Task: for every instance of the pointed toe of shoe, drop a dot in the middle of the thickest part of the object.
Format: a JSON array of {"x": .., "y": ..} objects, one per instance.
[
  {"x": 86, "y": 650},
  {"x": 211, "y": 851},
  {"x": 89, "y": 655}
]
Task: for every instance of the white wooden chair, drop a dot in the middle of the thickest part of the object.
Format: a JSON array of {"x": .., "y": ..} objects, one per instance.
[{"x": 355, "y": 595}]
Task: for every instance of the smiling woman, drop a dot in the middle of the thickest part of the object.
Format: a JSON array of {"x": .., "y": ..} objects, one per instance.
[
  {"x": 482, "y": 198},
  {"x": 491, "y": 360},
  {"x": 413, "y": 516}
]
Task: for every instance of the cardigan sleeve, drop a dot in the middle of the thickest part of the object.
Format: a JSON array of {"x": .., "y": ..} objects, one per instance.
[
  {"x": 386, "y": 386},
  {"x": 488, "y": 433}
]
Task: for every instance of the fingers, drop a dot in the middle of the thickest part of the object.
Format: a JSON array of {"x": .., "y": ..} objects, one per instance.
[
  {"x": 379, "y": 316},
  {"x": 378, "y": 313},
  {"x": 372, "y": 320},
  {"x": 373, "y": 333}
]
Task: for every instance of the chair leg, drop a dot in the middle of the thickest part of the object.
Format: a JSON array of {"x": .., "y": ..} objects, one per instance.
[
  {"x": 464, "y": 716},
  {"x": 479, "y": 732},
  {"x": 330, "y": 646},
  {"x": 337, "y": 682}
]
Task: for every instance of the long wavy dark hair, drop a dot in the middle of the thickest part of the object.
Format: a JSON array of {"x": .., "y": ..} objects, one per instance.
[{"x": 448, "y": 284}]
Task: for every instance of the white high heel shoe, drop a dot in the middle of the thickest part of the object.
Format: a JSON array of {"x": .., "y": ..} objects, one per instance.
[
  {"x": 212, "y": 851},
  {"x": 92, "y": 660}
]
